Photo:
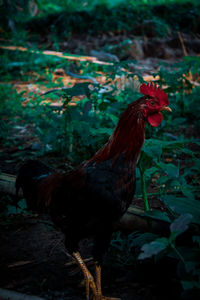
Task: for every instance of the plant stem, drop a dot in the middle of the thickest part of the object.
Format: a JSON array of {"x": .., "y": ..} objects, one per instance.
[{"x": 178, "y": 253}]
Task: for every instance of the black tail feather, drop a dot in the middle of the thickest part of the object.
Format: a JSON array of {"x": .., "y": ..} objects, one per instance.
[{"x": 29, "y": 176}]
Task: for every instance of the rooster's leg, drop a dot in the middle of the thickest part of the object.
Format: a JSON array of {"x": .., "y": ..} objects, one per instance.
[
  {"x": 98, "y": 282},
  {"x": 99, "y": 295},
  {"x": 89, "y": 280}
]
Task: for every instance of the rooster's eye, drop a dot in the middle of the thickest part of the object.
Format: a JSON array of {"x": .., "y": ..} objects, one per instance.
[{"x": 152, "y": 103}]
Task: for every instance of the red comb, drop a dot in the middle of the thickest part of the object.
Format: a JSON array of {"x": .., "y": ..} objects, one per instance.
[{"x": 154, "y": 91}]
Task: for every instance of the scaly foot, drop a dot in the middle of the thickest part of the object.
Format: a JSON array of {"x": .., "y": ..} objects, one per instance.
[
  {"x": 89, "y": 280},
  {"x": 90, "y": 285},
  {"x": 99, "y": 295}
]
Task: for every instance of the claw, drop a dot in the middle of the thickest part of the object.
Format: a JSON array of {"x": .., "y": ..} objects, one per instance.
[
  {"x": 89, "y": 280},
  {"x": 99, "y": 295},
  {"x": 90, "y": 284}
]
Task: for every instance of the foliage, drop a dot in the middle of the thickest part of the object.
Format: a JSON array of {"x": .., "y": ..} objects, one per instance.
[
  {"x": 140, "y": 19},
  {"x": 62, "y": 18},
  {"x": 10, "y": 108}
]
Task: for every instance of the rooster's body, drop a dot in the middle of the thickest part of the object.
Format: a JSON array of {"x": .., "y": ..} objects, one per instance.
[{"x": 89, "y": 200}]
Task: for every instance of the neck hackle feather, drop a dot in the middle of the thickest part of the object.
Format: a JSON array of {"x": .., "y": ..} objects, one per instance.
[{"x": 127, "y": 138}]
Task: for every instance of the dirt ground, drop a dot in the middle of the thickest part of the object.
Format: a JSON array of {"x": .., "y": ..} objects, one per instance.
[{"x": 33, "y": 261}]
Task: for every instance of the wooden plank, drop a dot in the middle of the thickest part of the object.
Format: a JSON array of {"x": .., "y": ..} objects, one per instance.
[{"x": 7, "y": 184}]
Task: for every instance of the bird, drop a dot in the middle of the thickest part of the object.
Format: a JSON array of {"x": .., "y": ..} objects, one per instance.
[{"x": 88, "y": 200}]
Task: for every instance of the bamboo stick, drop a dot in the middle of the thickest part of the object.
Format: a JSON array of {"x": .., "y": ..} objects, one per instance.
[{"x": 182, "y": 44}]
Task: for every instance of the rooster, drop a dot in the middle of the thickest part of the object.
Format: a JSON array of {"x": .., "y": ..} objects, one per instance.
[{"x": 89, "y": 200}]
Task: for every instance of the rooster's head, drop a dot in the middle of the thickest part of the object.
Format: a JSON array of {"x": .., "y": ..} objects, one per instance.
[{"x": 155, "y": 101}]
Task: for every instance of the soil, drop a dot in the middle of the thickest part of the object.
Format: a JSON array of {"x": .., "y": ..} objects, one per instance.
[{"x": 33, "y": 261}]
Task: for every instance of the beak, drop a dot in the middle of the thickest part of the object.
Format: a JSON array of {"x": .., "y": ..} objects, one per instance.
[{"x": 166, "y": 108}]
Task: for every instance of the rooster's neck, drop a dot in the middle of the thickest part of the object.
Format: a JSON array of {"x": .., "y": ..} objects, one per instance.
[{"x": 127, "y": 139}]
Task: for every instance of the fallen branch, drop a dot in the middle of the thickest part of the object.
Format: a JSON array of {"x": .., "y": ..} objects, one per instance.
[{"x": 91, "y": 59}]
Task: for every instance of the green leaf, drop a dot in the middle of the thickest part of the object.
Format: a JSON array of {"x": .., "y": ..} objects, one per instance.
[
  {"x": 151, "y": 171},
  {"x": 158, "y": 215},
  {"x": 187, "y": 285},
  {"x": 190, "y": 266},
  {"x": 183, "y": 206},
  {"x": 170, "y": 169},
  {"x": 188, "y": 253},
  {"x": 113, "y": 118},
  {"x": 188, "y": 151},
  {"x": 153, "y": 148},
  {"x": 95, "y": 131},
  {"x": 142, "y": 238},
  {"x": 185, "y": 189},
  {"x": 181, "y": 224},
  {"x": 153, "y": 248},
  {"x": 78, "y": 89},
  {"x": 196, "y": 239},
  {"x": 12, "y": 210},
  {"x": 144, "y": 162}
]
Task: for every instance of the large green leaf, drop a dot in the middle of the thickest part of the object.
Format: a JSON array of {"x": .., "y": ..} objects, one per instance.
[
  {"x": 170, "y": 169},
  {"x": 153, "y": 148},
  {"x": 142, "y": 238},
  {"x": 188, "y": 285},
  {"x": 183, "y": 205},
  {"x": 181, "y": 224},
  {"x": 157, "y": 214},
  {"x": 153, "y": 248},
  {"x": 196, "y": 239},
  {"x": 13, "y": 210}
]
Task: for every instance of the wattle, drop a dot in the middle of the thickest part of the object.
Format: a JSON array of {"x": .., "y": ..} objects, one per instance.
[{"x": 155, "y": 119}]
